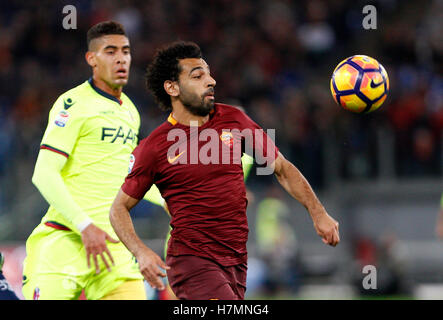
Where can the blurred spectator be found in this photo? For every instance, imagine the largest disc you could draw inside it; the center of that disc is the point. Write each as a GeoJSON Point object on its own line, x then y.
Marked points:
{"type": "Point", "coordinates": [316, 35]}
{"type": "Point", "coordinates": [389, 258]}
{"type": "Point", "coordinates": [424, 156]}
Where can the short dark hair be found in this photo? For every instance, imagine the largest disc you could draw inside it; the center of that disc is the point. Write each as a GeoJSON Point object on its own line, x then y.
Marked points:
{"type": "Point", "coordinates": [165, 66]}
{"type": "Point", "coordinates": [104, 28]}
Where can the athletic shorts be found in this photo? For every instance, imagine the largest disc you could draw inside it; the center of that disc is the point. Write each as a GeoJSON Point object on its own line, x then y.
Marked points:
{"type": "Point", "coordinates": [55, 267]}
{"type": "Point", "coordinates": [196, 278]}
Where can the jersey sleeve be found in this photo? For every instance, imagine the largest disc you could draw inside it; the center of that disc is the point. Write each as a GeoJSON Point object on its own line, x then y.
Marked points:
{"type": "Point", "coordinates": [49, 182]}
{"type": "Point", "coordinates": [64, 125]}
{"type": "Point", "coordinates": [257, 143]}
{"type": "Point", "coordinates": [141, 171]}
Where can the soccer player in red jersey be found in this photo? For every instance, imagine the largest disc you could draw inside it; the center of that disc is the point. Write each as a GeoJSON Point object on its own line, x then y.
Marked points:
{"type": "Point", "coordinates": [194, 159]}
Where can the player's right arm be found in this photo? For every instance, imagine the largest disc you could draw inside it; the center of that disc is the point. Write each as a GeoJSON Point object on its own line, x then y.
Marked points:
{"type": "Point", "coordinates": [48, 180]}
{"type": "Point", "coordinates": [149, 262]}
{"type": "Point", "coordinates": [58, 142]}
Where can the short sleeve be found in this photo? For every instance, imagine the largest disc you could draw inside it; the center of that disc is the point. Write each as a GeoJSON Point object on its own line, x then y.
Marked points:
{"type": "Point", "coordinates": [257, 143]}
{"type": "Point", "coordinates": [64, 124]}
{"type": "Point", "coordinates": [141, 171]}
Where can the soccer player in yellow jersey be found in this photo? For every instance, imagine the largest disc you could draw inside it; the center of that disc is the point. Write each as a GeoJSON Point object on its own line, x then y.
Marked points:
{"type": "Point", "coordinates": [83, 160]}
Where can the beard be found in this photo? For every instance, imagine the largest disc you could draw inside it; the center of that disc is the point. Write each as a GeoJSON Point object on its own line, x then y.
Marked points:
{"type": "Point", "coordinates": [197, 105]}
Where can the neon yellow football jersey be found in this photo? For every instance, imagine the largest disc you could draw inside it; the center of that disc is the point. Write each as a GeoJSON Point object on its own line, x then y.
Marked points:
{"type": "Point", "coordinates": [97, 133]}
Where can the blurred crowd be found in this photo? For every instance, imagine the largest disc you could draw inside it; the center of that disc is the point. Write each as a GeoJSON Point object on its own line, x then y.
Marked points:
{"type": "Point", "coordinates": [274, 58]}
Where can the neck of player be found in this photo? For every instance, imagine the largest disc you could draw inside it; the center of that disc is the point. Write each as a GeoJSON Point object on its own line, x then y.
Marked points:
{"type": "Point", "coordinates": [102, 85]}
{"type": "Point", "coordinates": [184, 117]}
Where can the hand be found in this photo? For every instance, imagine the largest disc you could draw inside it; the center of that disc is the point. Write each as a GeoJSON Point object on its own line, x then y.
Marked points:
{"type": "Point", "coordinates": [149, 263]}
{"type": "Point", "coordinates": [94, 240]}
{"type": "Point", "coordinates": [327, 229]}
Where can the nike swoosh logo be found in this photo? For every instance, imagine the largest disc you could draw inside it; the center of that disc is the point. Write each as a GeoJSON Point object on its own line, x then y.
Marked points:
{"type": "Point", "coordinates": [375, 85]}
{"type": "Point", "coordinates": [172, 160]}
{"type": "Point", "coordinates": [68, 103]}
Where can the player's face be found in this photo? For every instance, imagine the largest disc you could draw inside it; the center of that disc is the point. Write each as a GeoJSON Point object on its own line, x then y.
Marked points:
{"type": "Point", "coordinates": [197, 87]}
{"type": "Point", "coordinates": [113, 59]}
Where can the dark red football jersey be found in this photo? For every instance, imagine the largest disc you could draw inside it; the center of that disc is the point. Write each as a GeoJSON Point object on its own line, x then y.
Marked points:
{"type": "Point", "coordinates": [199, 173]}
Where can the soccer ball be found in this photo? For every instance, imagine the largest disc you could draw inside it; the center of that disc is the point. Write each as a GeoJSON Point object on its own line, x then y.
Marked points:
{"type": "Point", "coordinates": [360, 84]}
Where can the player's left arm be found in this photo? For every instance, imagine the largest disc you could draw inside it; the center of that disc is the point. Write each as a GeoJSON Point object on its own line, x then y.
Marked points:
{"type": "Point", "coordinates": [299, 188]}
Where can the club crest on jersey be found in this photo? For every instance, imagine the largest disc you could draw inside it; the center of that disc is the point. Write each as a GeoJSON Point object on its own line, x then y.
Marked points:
{"type": "Point", "coordinates": [62, 118]}
{"type": "Point", "coordinates": [227, 138]}
{"type": "Point", "coordinates": [131, 163]}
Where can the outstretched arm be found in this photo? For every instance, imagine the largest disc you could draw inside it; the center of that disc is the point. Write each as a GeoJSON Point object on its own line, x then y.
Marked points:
{"type": "Point", "coordinates": [149, 262]}
{"type": "Point", "coordinates": [299, 188]}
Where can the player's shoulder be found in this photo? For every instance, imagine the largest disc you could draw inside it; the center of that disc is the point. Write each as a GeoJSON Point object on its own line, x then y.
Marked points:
{"type": "Point", "coordinates": [125, 98]}
{"type": "Point", "coordinates": [159, 133]}
{"type": "Point", "coordinates": [74, 98]}
{"type": "Point", "coordinates": [223, 108]}
{"type": "Point", "coordinates": [227, 111]}
{"type": "Point", "coordinates": [128, 101]}
{"type": "Point", "coordinates": [154, 139]}
{"type": "Point", "coordinates": [80, 92]}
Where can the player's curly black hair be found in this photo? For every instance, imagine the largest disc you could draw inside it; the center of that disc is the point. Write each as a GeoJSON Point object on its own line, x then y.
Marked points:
{"type": "Point", "coordinates": [165, 66]}
{"type": "Point", "coordinates": [104, 28]}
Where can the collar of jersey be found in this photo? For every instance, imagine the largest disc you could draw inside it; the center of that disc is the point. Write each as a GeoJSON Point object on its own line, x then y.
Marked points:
{"type": "Point", "coordinates": [104, 94]}
{"type": "Point", "coordinates": [174, 122]}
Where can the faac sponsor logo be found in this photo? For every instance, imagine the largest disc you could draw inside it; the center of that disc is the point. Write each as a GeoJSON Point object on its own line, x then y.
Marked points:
{"type": "Point", "coordinates": [118, 134]}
